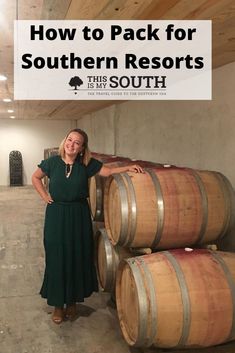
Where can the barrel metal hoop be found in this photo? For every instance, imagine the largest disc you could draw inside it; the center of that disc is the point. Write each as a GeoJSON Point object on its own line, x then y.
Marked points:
{"type": "Point", "coordinates": [142, 301]}
{"type": "Point", "coordinates": [231, 284]}
{"type": "Point", "coordinates": [228, 191]}
{"type": "Point", "coordinates": [99, 211]}
{"type": "Point", "coordinates": [204, 203]}
{"type": "Point", "coordinates": [160, 207]}
{"type": "Point", "coordinates": [109, 257]}
{"type": "Point", "coordinates": [133, 218]}
{"type": "Point", "coordinates": [185, 298]}
{"type": "Point", "coordinates": [124, 208]}
{"type": "Point", "coordinates": [153, 305]}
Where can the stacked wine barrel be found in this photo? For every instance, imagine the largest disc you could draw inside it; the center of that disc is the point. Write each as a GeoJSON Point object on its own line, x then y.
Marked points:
{"type": "Point", "coordinates": [180, 295]}
{"type": "Point", "coordinates": [168, 208]}
{"type": "Point", "coordinates": [108, 256]}
{"type": "Point", "coordinates": [177, 299]}
{"type": "Point", "coordinates": [97, 182]}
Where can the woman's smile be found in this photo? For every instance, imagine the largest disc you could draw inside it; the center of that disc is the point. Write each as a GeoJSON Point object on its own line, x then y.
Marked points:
{"type": "Point", "coordinates": [73, 143]}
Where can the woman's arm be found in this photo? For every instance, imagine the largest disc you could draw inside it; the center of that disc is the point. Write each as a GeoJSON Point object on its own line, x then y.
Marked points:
{"type": "Point", "coordinates": [107, 171]}
{"type": "Point", "coordinates": [37, 183]}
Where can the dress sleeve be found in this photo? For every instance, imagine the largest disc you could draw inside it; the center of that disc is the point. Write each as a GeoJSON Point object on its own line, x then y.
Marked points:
{"type": "Point", "coordinates": [93, 167]}
{"type": "Point", "coordinates": [45, 166]}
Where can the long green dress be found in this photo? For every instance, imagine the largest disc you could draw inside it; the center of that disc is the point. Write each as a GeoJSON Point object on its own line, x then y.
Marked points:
{"type": "Point", "coordinates": [70, 274]}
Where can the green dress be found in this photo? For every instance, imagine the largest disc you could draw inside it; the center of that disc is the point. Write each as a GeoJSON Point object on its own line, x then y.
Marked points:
{"type": "Point", "coordinates": [70, 274]}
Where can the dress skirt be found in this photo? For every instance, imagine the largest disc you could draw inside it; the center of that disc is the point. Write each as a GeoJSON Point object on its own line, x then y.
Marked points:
{"type": "Point", "coordinates": [70, 274]}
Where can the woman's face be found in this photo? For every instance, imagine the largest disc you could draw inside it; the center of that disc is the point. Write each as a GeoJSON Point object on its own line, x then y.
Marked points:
{"type": "Point", "coordinates": [73, 144]}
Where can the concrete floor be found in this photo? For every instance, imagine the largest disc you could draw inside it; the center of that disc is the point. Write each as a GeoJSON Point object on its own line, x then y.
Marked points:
{"type": "Point", "coordinates": [25, 318]}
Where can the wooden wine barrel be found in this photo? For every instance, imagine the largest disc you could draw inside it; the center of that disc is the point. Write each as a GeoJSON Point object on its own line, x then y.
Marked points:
{"type": "Point", "coordinates": [177, 299]}
{"type": "Point", "coordinates": [97, 182]}
{"type": "Point", "coordinates": [108, 258]}
{"type": "Point", "coordinates": [102, 156]}
{"type": "Point", "coordinates": [53, 151]}
{"type": "Point", "coordinates": [107, 158]}
{"type": "Point", "coordinates": [167, 208]}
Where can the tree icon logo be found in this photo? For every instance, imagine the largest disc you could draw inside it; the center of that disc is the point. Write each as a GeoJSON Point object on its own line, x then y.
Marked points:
{"type": "Point", "coordinates": [75, 82]}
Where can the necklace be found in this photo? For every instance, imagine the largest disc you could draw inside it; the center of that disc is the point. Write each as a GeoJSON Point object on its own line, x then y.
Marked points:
{"type": "Point", "coordinates": [68, 169]}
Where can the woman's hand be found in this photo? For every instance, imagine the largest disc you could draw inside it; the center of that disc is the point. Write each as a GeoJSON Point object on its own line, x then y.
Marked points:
{"type": "Point", "coordinates": [135, 168]}
{"type": "Point", "coordinates": [37, 183]}
{"type": "Point", "coordinates": [106, 171]}
{"type": "Point", "coordinates": [47, 198]}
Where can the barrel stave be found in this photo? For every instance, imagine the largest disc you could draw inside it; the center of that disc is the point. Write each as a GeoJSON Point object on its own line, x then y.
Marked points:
{"type": "Point", "coordinates": [183, 212]}
{"type": "Point", "coordinates": [217, 211]}
{"type": "Point", "coordinates": [146, 205]}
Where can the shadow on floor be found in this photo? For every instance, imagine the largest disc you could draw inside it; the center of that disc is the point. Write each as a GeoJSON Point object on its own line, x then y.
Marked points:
{"type": "Point", "coordinates": [81, 310]}
{"type": "Point", "coordinates": [84, 310]}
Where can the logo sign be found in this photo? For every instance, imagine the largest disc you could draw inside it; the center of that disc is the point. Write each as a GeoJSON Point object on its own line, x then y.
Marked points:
{"type": "Point", "coordinates": [102, 60]}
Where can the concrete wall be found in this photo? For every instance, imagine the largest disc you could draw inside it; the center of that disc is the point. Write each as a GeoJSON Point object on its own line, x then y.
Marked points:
{"type": "Point", "coordinates": [198, 134]}
{"type": "Point", "coordinates": [30, 138]}
{"type": "Point", "coordinates": [100, 128]}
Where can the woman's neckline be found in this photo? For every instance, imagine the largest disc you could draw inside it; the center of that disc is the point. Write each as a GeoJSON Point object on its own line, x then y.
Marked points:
{"type": "Point", "coordinates": [77, 161]}
{"type": "Point", "coordinates": [70, 163]}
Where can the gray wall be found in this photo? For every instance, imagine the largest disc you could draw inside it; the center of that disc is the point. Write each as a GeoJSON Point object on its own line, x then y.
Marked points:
{"type": "Point", "coordinates": [198, 134]}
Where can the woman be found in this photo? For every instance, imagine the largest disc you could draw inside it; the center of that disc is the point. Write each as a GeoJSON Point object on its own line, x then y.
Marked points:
{"type": "Point", "coordinates": [70, 272]}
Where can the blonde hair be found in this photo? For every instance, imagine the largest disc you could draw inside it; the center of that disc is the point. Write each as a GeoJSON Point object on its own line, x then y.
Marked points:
{"type": "Point", "coordinates": [85, 156]}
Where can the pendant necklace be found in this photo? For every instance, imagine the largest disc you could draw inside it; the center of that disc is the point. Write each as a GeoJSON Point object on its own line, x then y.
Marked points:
{"type": "Point", "coordinates": [68, 169]}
